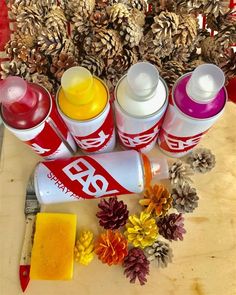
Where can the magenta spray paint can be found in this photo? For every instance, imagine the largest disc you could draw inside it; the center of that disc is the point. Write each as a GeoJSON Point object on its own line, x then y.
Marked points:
{"type": "Point", "coordinates": [141, 99]}
{"type": "Point", "coordinates": [30, 113]}
{"type": "Point", "coordinates": [94, 176]}
{"type": "Point", "coordinates": [198, 100]}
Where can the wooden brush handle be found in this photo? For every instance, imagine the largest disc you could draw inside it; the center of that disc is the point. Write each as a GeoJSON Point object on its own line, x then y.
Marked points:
{"type": "Point", "coordinates": [28, 240]}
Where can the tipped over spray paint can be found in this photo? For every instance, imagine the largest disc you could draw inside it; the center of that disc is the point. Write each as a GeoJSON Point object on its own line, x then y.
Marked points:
{"type": "Point", "coordinates": [83, 102]}
{"type": "Point", "coordinates": [30, 113]}
{"type": "Point", "coordinates": [198, 100]}
{"type": "Point", "coordinates": [141, 99]}
{"type": "Point", "coordinates": [94, 176]}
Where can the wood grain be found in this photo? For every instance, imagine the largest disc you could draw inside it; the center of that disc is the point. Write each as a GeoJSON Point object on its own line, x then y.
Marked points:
{"type": "Point", "coordinates": [204, 263]}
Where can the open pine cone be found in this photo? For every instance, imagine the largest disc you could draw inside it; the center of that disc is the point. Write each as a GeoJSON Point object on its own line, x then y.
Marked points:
{"type": "Point", "coordinates": [159, 252]}
{"type": "Point", "coordinates": [136, 266]}
{"type": "Point", "coordinates": [62, 62]}
{"type": "Point", "coordinates": [165, 25]}
{"type": "Point", "coordinates": [201, 160]}
{"type": "Point", "coordinates": [113, 214]}
{"type": "Point", "coordinates": [179, 173]}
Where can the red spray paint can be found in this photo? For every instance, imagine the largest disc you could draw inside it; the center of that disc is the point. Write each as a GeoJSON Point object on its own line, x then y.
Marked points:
{"type": "Point", "coordinates": [29, 112]}
{"type": "Point", "coordinates": [97, 175]}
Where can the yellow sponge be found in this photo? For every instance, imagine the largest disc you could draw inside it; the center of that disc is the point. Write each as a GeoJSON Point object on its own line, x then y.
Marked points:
{"type": "Point", "coordinates": [53, 249]}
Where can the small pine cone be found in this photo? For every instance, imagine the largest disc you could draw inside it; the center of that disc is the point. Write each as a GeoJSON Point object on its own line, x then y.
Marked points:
{"type": "Point", "coordinates": [131, 33]}
{"type": "Point", "coordinates": [138, 17]}
{"type": "Point", "coordinates": [164, 47]}
{"type": "Point", "coordinates": [37, 62]}
{"type": "Point", "coordinates": [17, 50]}
{"type": "Point", "coordinates": [216, 7]}
{"type": "Point", "coordinates": [180, 54]}
{"type": "Point", "coordinates": [123, 61]}
{"type": "Point", "coordinates": [111, 77]}
{"type": "Point", "coordinates": [104, 43]}
{"type": "Point", "coordinates": [44, 81]}
{"type": "Point", "coordinates": [99, 19]}
{"type": "Point", "coordinates": [13, 68]}
{"type": "Point", "coordinates": [228, 64]}
{"type": "Point", "coordinates": [55, 20]}
{"type": "Point", "coordinates": [185, 198]}
{"type": "Point", "coordinates": [81, 7]}
{"type": "Point", "coordinates": [211, 51]}
{"type": "Point", "coordinates": [25, 39]}
{"type": "Point", "coordinates": [94, 64]}
{"type": "Point", "coordinates": [136, 266]}
{"type": "Point", "coordinates": [157, 199]}
{"type": "Point", "coordinates": [159, 252]}
{"type": "Point", "coordinates": [179, 173]}
{"type": "Point", "coordinates": [111, 247]}
{"type": "Point", "coordinates": [29, 21]}
{"type": "Point", "coordinates": [171, 71]}
{"type": "Point", "coordinates": [171, 227]}
{"type": "Point", "coordinates": [201, 160]}
{"type": "Point", "coordinates": [113, 214]}
{"type": "Point", "coordinates": [140, 5]}
{"type": "Point", "coordinates": [165, 25]}
{"type": "Point", "coordinates": [82, 28]}
{"type": "Point", "coordinates": [187, 30]}
{"type": "Point", "coordinates": [84, 248]}
{"type": "Point", "coordinates": [118, 14]}
{"type": "Point", "coordinates": [141, 231]}
{"type": "Point", "coordinates": [62, 62]}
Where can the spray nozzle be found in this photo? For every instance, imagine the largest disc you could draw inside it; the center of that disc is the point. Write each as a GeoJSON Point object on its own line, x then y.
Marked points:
{"type": "Point", "coordinates": [142, 79]}
{"type": "Point", "coordinates": [159, 168]}
{"type": "Point", "coordinates": [205, 82]}
{"type": "Point", "coordinates": [77, 85]}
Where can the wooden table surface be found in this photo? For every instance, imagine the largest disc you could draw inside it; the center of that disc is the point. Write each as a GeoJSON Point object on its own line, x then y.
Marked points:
{"type": "Point", "coordinates": [204, 262]}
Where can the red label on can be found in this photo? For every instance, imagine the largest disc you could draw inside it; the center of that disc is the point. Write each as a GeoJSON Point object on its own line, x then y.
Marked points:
{"type": "Point", "coordinates": [99, 138]}
{"type": "Point", "coordinates": [48, 140]}
{"type": "Point", "coordinates": [176, 144]}
{"type": "Point", "coordinates": [140, 140]}
{"type": "Point", "coordinates": [85, 177]}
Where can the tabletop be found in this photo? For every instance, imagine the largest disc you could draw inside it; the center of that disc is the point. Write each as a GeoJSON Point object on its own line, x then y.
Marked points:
{"type": "Point", "coordinates": [204, 263]}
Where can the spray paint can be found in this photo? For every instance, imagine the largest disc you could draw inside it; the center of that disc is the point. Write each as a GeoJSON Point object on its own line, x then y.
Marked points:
{"type": "Point", "coordinates": [83, 102]}
{"type": "Point", "coordinates": [30, 113]}
{"type": "Point", "coordinates": [198, 100]}
{"type": "Point", "coordinates": [141, 99]}
{"type": "Point", "coordinates": [94, 176]}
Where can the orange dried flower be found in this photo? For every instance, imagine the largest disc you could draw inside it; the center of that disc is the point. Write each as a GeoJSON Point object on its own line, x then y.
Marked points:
{"type": "Point", "coordinates": [157, 199]}
{"type": "Point", "coordinates": [111, 247]}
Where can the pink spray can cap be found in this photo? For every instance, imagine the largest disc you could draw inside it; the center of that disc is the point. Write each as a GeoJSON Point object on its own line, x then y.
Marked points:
{"type": "Point", "coordinates": [15, 90]}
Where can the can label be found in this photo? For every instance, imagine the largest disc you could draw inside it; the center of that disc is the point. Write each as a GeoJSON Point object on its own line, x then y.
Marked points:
{"type": "Point", "coordinates": [141, 140]}
{"type": "Point", "coordinates": [98, 139]}
{"type": "Point", "coordinates": [50, 139]}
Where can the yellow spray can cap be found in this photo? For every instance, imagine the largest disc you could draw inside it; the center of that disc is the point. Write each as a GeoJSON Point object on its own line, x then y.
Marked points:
{"type": "Point", "coordinates": [78, 85]}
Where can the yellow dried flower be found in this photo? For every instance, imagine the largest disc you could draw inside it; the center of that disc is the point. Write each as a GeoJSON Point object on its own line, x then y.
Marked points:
{"type": "Point", "coordinates": [157, 199]}
{"type": "Point", "coordinates": [84, 248]}
{"type": "Point", "coordinates": [141, 231]}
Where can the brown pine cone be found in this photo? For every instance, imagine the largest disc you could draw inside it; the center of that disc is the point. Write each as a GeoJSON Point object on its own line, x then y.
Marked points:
{"type": "Point", "coordinates": [131, 33]}
{"type": "Point", "coordinates": [221, 21]}
{"type": "Point", "coordinates": [138, 17]}
{"type": "Point", "coordinates": [24, 39]}
{"type": "Point", "coordinates": [153, 59]}
{"type": "Point", "coordinates": [81, 7]}
{"type": "Point", "coordinates": [94, 64]}
{"type": "Point", "coordinates": [111, 77]}
{"type": "Point", "coordinates": [104, 43]}
{"type": "Point", "coordinates": [14, 68]}
{"type": "Point", "coordinates": [141, 5]}
{"type": "Point", "coordinates": [227, 35]}
{"type": "Point", "coordinates": [37, 62]}
{"type": "Point", "coordinates": [55, 20]}
{"type": "Point", "coordinates": [191, 66]}
{"type": "Point", "coordinates": [171, 71]}
{"type": "Point", "coordinates": [216, 7]}
{"type": "Point", "coordinates": [29, 21]}
{"type": "Point", "coordinates": [165, 25]}
{"type": "Point", "coordinates": [180, 54]}
{"type": "Point", "coordinates": [179, 173]}
{"type": "Point", "coordinates": [160, 252]}
{"type": "Point", "coordinates": [201, 160]}
{"type": "Point", "coordinates": [44, 81]}
{"type": "Point", "coordinates": [118, 13]}
{"type": "Point", "coordinates": [228, 64]}
{"type": "Point", "coordinates": [189, 6]}
{"type": "Point", "coordinates": [16, 50]}
{"type": "Point", "coordinates": [82, 28]}
{"type": "Point", "coordinates": [136, 266]}
{"type": "Point", "coordinates": [99, 19]}
{"type": "Point", "coordinates": [124, 60]}
{"type": "Point", "coordinates": [211, 50]}
{"type": "Point", "coordinates": [185, 198]}
{"type": "Point", "coordinates": [113, 214]}
{"type": "Point", "coordinates": [62, 62]}
{"type": "Point", "coordinates": [171, 227]}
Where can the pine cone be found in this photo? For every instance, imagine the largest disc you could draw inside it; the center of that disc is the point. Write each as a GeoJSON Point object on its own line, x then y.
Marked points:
{"type": "Point", "coordinates": [156, 199]}
{"type": "Point", "coordinates": [37, 62]}
{"type": "Point", "coordinates": [113, 214]}
{"type": "Point", "coordinates": [160, 252]}
{"type": "Point", "coordinates": [104, 43]}
{"type": "Point", "coordinates": [216, 7]}
{"type": "Point", "coordinates": [17, 50]}
{"type": "Point", "coordinates": [99, 19]}
{"type": "Point", "coordinates": [140, 5]}
{"type": "Point", "coordinates": [29, 21]}
{"type": "Point", "coordinates": [228, 64]}
{"type": "Point", "coordinates": [187, 30]}
{"type": "Point", "coordinates": [111, 247]}
{"type": "Point", "coordinates": [131, 33]}
{"type": "Point", "coordinates": [138, 17]}
{"type": "Point", "coordinates": [55, 20]}
{"type": "Point", "coordinates": [189, 6]}
{"type": "Point", "coordinates": [153, 59]}
{"type": "Point", "coordinates": [94, 64]}
{"type": "Point", "coordinates": [141, 231]}
{"type": "Point", "coordinates": [165, 25]}
{"type": "Point", "coordinates": [123, 61]}
{"type": "Point", "coordinates": [191, 66]}
{"type": "Point", "coordinates": [211, 50]}
{"type": "Point", "coordinates": [179, 173]}
{"type": "Point", "coordinates": [136, 266]}
{"type": "Point", "coordinates": [111, 77]}
{"type": "Point", "coordinates": [44, 81]}
{"type": "Point", "coordinates": [14, 68]}
{"type": "Point", "coordinates": [118, 14]}
{"type": "Point", "coordinates": [185, 198]}
{"type": "Point", "coordinates": [62, 62]}
{"type": "Point", "coordinates": [180, 54]}
{"type": "Point", "coordinates": [82, 28]}
{"type": "Point", "coordinates": [84, 248]}
{"type": "Point", "coordinates": [24, 39]}
{"type": "Point", "coordinates": [201, 160]}
{"type": "Point", "coordinates": [171, 71]}
{"type": "Point", "coordinates": [171, 227]}
{"type": "Point", "coordinates": [81, 7]}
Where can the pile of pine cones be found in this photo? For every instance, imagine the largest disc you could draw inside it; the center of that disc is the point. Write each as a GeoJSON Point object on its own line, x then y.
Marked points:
{"type": "Point", "coordinates": [108, 36]}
